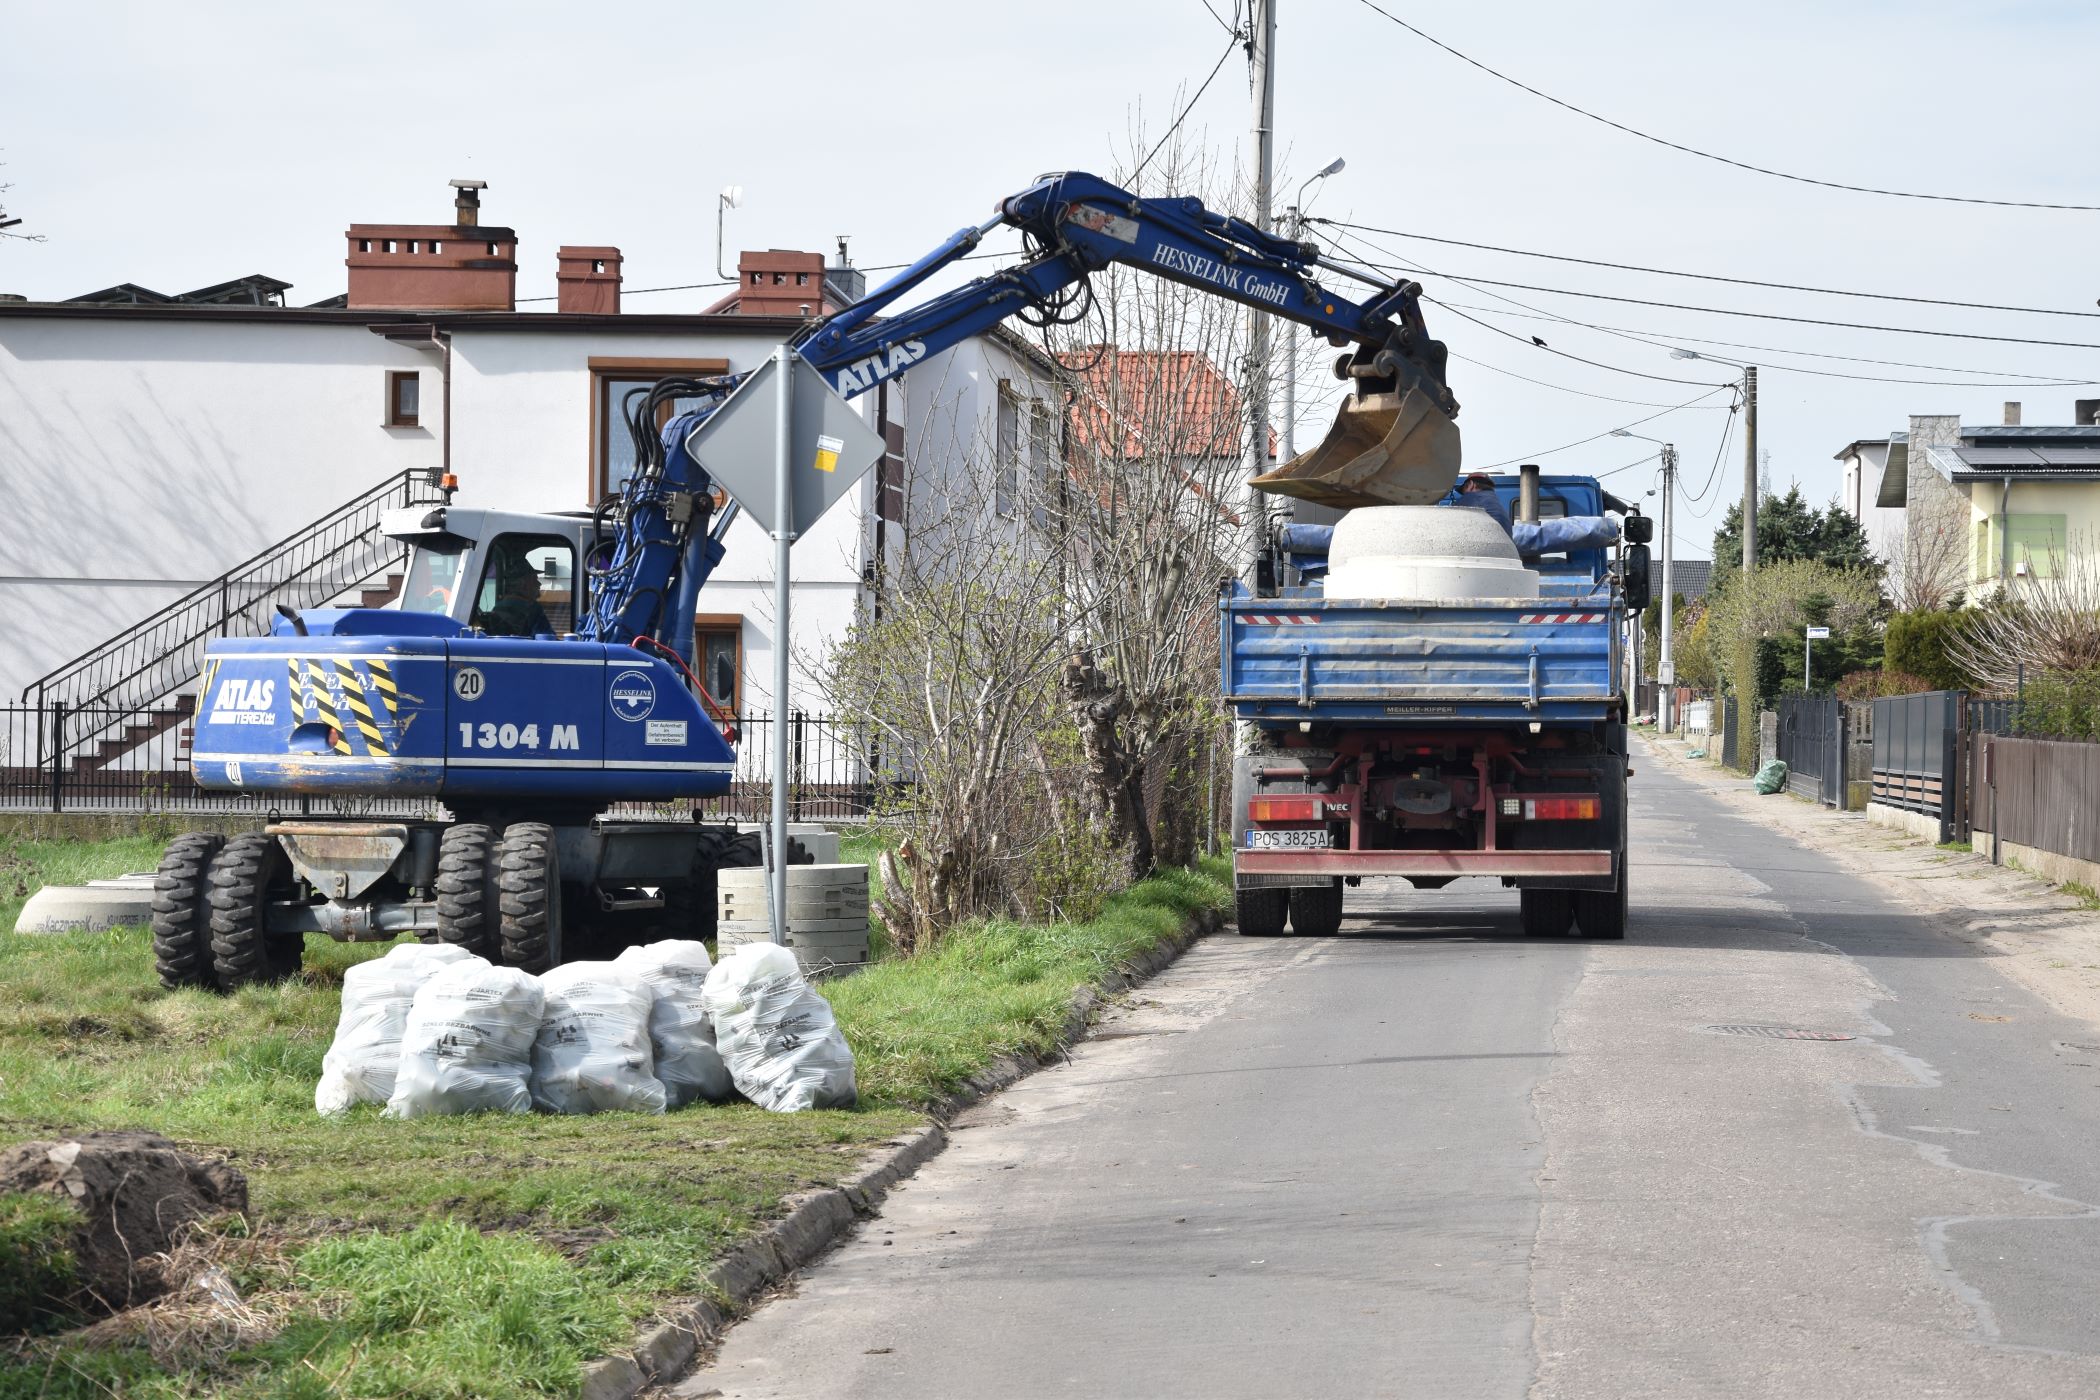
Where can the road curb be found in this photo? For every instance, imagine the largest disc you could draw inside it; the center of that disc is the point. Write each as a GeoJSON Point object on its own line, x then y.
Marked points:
{"type": "Point", "coordinates": [817, 1220]}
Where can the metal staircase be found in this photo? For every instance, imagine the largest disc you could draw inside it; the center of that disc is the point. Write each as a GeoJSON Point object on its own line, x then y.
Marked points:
{"type": "Point", "coordinates": [107, 702]}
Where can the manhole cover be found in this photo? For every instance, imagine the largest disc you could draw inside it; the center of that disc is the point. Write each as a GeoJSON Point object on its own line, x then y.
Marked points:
{"type": "Point", "coordinates": [1779, 1032]}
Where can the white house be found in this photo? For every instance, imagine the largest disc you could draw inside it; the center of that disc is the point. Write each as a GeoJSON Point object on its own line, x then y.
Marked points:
{"type": "Point", "coordinates": [148, 443]}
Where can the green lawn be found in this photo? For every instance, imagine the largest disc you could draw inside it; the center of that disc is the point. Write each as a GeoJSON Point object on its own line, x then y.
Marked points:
{"type": "Point", "coordinates": [487, 1256]}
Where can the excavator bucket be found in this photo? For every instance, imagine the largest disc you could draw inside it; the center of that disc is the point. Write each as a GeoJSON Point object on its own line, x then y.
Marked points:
{"type": "Point", "coordinates": [1384, 450]}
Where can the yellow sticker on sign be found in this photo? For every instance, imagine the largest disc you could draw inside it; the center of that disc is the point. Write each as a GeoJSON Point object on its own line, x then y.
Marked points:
{"type": "Point", "coordinates": [828, 450]}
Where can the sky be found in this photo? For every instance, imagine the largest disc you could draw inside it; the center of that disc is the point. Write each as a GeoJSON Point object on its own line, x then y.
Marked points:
{"type": "Point", "coordinates": [178, 146]}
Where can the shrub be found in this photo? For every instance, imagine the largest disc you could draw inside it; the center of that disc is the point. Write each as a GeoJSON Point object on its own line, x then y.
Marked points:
{"type": "Point", "coordinates": [1873, 685]}
{"type": "Point", "coordinates": [1917, 645]}
{"type": "Point", "coordinates": [2061, 705]}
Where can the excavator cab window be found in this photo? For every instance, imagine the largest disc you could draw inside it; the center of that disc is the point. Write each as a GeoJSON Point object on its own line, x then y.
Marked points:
{"type": "Point", "coordinates": [528, 587]}
{"type": "Point", "coordinates": [433, 576]}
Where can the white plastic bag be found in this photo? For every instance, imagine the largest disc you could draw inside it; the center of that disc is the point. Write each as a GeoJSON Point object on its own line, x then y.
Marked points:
{"type": "Point", "coordinates": [783, 1047]}
{"type": "Point", "coordinates": [361, 1063]}
{"type": "Point", "coordinates": [681, 1033]}
{"type": "Point", "coordinates": [592, 1053]}
{"type": "Point", "coordinates": [468, 1044]}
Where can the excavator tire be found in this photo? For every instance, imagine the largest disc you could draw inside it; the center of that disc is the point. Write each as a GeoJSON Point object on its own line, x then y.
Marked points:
{"type": "Point", "coordinates": [528, 879]}
{"type": "Point", "coordinates": [467, 898]}
{"type": "Point", "coordinates": [248, 869]}
{"type": "Point", "coordinates": [1260, 913]}
{"type": "Point", "coordinates": [181, 917]}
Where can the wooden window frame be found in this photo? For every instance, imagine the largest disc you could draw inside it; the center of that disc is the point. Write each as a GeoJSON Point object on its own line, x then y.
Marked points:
{"type": "Point", "coordinates": [605, 416]}
{"type": "Point", "coordinates": [732, 623]}
{"type": "Point", "coordinates": [393, 417]}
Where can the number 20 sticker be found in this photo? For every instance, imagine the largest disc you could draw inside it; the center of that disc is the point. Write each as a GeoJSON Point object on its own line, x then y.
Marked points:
{"type": "Point", "coordinates": [468, 683]}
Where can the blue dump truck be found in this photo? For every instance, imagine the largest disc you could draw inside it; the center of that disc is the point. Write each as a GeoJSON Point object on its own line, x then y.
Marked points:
{"type": "Point", "coordinates": [1423, 699]}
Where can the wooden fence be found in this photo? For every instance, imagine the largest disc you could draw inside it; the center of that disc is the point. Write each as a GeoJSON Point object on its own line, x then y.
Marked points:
{"type": "Point", "coordinates": [2041, 793]}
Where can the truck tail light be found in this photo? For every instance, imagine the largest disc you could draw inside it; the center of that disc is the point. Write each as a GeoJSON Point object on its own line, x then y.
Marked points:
{"type": "Point", "coordinates": [1284, 809]}
{"type": "Point", "coordinates": [1564, 809]}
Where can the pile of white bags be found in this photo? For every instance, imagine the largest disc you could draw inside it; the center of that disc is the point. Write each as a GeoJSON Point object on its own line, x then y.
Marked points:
{"type": "Point", "coordinates": [681, 1033]}
{"type": "Point", "coordinates": [361, 1064]}
{"type": "Point", "coordinates": [467, 1047]}
{"type": "Point", "coordinates": [778, 1037]}
{"type": "Point", "coordinates": [592, 1053]}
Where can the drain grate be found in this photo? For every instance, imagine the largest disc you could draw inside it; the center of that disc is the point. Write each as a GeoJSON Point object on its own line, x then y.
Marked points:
{"type": "Point", "coordinates": [1779, 1032]}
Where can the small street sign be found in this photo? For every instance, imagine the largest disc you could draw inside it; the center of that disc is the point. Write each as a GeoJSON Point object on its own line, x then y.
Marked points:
{"type": "Point", "coordinates": [1817, 634]}
{"type": "Point", "coordinates": [829, 447]}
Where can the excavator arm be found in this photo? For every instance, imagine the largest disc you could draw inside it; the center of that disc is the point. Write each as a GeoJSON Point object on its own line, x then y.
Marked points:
{"type": "Point", "coordinates": [1393, 441]}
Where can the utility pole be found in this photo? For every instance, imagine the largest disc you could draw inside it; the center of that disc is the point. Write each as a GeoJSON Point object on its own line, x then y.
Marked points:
{"type": "Point", "coordinates": [1666, 661]}
{"type": "Point", "coordinates": [1749, 468]}
{"type": "Point", "coordinates": [1261, 74]}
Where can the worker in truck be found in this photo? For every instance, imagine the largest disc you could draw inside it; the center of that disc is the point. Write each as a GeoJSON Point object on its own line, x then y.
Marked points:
{"type": "Point", "coordinates": [1533, 538]}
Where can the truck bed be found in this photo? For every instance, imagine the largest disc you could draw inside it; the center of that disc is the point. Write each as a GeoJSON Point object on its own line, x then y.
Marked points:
{"type": "Point", "coordinates": [1302, 656]}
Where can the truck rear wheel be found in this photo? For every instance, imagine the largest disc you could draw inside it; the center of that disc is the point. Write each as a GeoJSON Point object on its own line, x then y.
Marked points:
{"type": "Point", "coordinates": [467, 898]}
{"type": "Point", "coordinates": [1260, 913]}
{"type": "Point", "coordinates": [1602, 913]}
{"type": "Point", "coordinates": [528, 879]}
{"type": "Point", "coordinates": [1316, 911]}
{"type": "Point", "coordinates": [1546, 913]}
{"type": "Point", "coordinates": [181, 916]}
{"type": "Point", "coordinates": [250, 870]}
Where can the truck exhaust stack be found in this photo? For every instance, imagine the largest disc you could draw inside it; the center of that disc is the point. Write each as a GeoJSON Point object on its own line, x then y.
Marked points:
{"type": "Point", "coordinates": [1385, 449]}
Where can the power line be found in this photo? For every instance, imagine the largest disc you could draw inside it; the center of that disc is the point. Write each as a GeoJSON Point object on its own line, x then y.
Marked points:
{"type": "Point", "coordinates": [1709, 155]}
{"type": "Point", "coordinates": [1188, 107]}
{"type": "Point", "coordinates": [2043, 381]}
{"type": "Point", "coordinates": [1727, 434]}
{"type": "Point", "coordinates": [1708, 276]}
{"type": "Point", "coordinates": [1547, 384]}
{"type": "Point", "coordinates": [1548, 452]}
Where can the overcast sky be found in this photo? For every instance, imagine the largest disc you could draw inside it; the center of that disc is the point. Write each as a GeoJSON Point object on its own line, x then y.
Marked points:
{"type": "Point", "coordinates": [181, 145]}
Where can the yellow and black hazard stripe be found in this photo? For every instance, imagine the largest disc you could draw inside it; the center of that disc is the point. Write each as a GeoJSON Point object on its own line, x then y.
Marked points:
{"type": "Point", "coordinates": [205, 677]}
{"type": "Point", "coordinates": [360, 710]}
{"type": "Point", "coordinates": [383, 682]}
{"type": "Point", "coordinates": [322, 702]}
{"type": "Point", "coordinates": [297, 692]}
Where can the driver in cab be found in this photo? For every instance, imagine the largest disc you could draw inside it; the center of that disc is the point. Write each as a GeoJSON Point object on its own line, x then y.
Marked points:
{"type": "Point", "coordinates": [517, 612]}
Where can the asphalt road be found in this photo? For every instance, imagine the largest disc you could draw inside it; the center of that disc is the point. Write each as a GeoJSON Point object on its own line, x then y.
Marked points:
{"type": "Point", "coordinates": [1432, 1158]}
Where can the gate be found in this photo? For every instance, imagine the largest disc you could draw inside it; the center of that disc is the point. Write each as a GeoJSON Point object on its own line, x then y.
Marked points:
{"type": "Point", "coordinates": [1812, 745]}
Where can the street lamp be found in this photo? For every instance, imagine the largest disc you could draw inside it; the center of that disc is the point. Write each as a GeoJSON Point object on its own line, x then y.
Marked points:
{"type": "Point", "coordinates": [1295, 221]}
{"type": "Point", "coordinates": [1666, 660]}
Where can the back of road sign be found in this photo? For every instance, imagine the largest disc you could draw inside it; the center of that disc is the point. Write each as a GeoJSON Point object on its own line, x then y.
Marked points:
{"type": "Point", "coordinates": [829, 447]}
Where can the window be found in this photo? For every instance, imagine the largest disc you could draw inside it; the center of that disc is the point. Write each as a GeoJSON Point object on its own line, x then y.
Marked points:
{"type": "Point", "coordinates": [433, 575]}
{"type": "Point", "coordinates": [612, 381]}
{"type": "Point", "coordinates": [436, 246]}
{"type": "Point", "coordinates": [1006, 451]}
{"type": "Point", "coordinates": [1045, 468]}
{"type": "Point", "coordinates": [528, 587]}
{"type": "Point", "coordinates": [404, 398]}
{"type": "Point", "coordinates": [718, 648]}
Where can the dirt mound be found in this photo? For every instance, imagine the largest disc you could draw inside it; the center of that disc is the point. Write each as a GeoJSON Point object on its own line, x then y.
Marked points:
{"type": "Point", "coordinates": [135, 1191]}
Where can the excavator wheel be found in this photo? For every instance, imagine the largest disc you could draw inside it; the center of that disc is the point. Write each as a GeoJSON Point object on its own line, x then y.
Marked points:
{"type": "Point", "coordinates": [528, 878]}
{"type": "Point", "coordinates": [466, 890]}
{"type": "Point", "coordinates": [181, 917]}
{"type": "Point", "coordinates": [247, 872]}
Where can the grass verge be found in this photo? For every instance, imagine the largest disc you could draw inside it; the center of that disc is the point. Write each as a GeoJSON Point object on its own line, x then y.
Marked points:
{"type": "Point", "coordinates": [520, 1247]}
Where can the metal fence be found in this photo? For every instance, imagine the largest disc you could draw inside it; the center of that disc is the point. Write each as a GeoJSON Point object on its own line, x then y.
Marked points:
{"type": "Point", "coordinates": [1913, 750]}
{"type": "Point", "coordinates": [2041, 793]}
{"type": "Point", "coordinates": [1812, 745]}
{"type": "Point", "coordinates": [46, 765]}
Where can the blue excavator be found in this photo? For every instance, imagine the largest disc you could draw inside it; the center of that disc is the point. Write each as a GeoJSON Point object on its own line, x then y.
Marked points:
{"type": "Point", "coordinates": [530, 728]}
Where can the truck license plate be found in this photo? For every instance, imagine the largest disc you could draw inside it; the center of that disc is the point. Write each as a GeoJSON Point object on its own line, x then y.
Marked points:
{"type": "Point", "coordinates": [1289, 840]}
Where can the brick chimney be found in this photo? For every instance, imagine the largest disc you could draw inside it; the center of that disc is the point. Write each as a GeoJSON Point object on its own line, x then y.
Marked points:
{"type": "Point", "coordinates": [462, 266]}
{"type": "Point", "coordinates": [780, 283]}
{"type": "Point", "coordinates": [589, 279]}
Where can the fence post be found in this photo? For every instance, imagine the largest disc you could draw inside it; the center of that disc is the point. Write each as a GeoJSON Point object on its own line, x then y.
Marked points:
{"type": "Point", "coordinates": [58, 755]}
{"type": "Point", "coordinates": [1950, 782]}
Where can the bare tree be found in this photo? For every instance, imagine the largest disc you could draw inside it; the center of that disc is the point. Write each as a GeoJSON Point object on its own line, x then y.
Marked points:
{"type": "Point", "coordinates": [2048, 622]}
{"type": "Point", "coordinates": [7, 224]}
{"type": "Point", "coordinates": [1928, 565]}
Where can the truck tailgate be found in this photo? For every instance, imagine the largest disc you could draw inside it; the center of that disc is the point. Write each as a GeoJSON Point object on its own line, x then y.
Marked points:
{"type": "Point", "coordinates": [1311, 657]}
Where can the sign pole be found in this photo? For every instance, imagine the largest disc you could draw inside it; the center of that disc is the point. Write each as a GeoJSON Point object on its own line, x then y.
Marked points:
{"type": "Point", "coordinates": [783, 538]}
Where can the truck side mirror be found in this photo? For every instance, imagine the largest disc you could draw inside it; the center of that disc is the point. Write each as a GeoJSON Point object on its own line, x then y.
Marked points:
{"type": "Point", "coordinates": [1637, 589]}
{"type": "Point", "coordinates": [1639, 529]}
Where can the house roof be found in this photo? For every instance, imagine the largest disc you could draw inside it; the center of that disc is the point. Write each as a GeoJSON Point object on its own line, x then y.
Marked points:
{"type": "Point", "coordinates": [1162, 403]}
{"type": "Point", "coordinates": [2041, 461]}
{"type": "Point", "coordinates": [254, 290]}
{"type": "Point", "coordinates": [548, 321]}
{"type": "Point", "coordinates": [1689, 578]}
